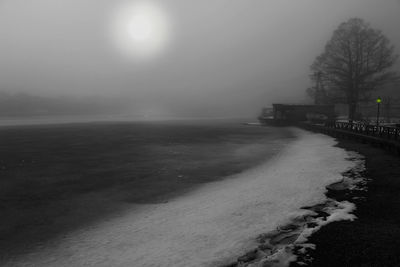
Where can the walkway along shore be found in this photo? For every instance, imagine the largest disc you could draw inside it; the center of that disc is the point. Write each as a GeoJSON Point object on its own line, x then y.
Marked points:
{"type": "Point", "coordinates": [374, 238]}
{"type": "Point", "coordinates": [387, 138]}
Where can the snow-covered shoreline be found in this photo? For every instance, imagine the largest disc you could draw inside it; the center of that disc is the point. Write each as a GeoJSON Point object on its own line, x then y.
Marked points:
{"type": "Point", "coordinates": [290, 240]}
{"type": "Point", "coordinates": [213, 224]}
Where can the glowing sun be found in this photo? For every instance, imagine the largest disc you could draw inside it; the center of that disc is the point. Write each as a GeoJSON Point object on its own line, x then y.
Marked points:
{"type": "Point", "coordinates": [141, 28]}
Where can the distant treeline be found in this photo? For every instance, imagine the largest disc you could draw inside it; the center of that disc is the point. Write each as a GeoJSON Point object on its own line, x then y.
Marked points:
{"type": "Point", "coordinates": [23, 104]}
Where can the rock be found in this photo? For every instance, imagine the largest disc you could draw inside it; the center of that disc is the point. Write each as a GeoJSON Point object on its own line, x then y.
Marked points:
{"type": "Point", "coordinates": [265, 246]}
{"type": "Point", "coordinates": [264, 237]}
{"type": "Point", "coordinates": [285, 239]}
{"type": "Point", "coordinates": [288, 227]}
{"type": "Point", "coordinates": [249, 256]}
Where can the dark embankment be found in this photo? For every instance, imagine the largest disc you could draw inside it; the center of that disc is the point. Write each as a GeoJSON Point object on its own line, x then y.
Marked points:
{"type": "Point", "coordinates": [374, 238]}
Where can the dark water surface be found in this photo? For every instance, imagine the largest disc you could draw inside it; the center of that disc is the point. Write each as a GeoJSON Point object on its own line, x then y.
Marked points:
{"type": "Point", "coordinates": [57, 178]}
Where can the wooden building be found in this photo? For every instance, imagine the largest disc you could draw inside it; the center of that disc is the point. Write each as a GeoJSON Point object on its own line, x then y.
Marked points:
{"type": "Point", "coordinates": [296, 113]}
{"type": "Point", "coordinates": [287, 114]}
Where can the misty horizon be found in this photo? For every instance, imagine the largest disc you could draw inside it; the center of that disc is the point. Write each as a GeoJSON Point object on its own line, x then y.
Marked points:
{"type": "Point", "coordinates": [228, 59]}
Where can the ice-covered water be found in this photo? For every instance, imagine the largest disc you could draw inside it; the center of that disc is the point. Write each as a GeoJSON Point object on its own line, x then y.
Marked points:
{"type": "Point", "coordinates": [211, 225]}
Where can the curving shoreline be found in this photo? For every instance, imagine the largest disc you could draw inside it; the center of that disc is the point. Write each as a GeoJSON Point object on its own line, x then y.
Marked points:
{"type": "Point", "coordinates": [374, 238]}
{"type": "Point", "coordinates": [290, 243]}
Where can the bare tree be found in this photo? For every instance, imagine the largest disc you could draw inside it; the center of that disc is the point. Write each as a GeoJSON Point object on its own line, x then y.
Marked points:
{"type": "Point", "coordinates": [318, 92]}
{"type": "Point", "coordinates": [356, 61]}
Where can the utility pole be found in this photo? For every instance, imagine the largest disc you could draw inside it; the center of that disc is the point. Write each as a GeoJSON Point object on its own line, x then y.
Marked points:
{"type": "Point", "coordinates": [378, 100]}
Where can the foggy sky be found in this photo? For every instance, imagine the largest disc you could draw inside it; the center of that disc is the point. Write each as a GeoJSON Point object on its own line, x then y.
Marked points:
{"type": "Point", "coordinates": [226, 57]}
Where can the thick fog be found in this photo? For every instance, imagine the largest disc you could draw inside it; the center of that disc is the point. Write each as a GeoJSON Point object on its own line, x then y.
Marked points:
{"type": "Point", "coordinates": [224, 58]}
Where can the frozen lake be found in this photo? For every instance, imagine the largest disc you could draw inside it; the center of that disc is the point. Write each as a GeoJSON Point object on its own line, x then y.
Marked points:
{"type": "Point", "coordinates": [207, 226]}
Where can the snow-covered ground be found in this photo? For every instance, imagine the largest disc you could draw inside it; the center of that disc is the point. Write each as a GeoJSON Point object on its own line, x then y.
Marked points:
{"type": "Point", "coordinates": [211, 225]}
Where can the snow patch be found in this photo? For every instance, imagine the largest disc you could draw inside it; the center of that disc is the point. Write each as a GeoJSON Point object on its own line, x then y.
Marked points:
{"type": "Point", "coordinates": [289, 241]}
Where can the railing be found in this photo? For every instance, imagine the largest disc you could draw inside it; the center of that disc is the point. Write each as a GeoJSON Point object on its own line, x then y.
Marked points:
{"type": "Point", "coordinates": [385, 132]}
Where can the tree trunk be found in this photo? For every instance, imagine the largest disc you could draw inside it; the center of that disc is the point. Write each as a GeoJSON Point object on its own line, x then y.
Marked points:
{"type": "Point", "coordinates": [352, 111]}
